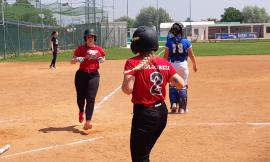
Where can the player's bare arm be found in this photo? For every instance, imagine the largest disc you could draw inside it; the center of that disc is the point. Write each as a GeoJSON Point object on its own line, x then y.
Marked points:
{"type": "Point", "coordinates": [73, 60]}
{"type": "Point", "coordinates": [192, 58]}
{"type": "Point", "coordinates": [127, 85]}
{"type": "Point", "coordinates": [177, 81]}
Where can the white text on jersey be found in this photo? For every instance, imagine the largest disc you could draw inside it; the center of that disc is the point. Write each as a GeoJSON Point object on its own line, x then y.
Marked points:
{"type": "Point", "coordinates": [160, 67]}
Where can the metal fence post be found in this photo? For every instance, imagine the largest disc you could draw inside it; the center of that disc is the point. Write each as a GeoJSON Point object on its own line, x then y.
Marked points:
{"type": "Point", "coordinates": [4, 29]}
{"type": "Point", "coordinates": [18, 24]}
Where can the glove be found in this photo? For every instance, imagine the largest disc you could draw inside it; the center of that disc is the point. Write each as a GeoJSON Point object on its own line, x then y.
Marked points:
{"type": "Point", "coordinates": [79, 59]}
{"type": "Point", "coordinates": [101, 59]}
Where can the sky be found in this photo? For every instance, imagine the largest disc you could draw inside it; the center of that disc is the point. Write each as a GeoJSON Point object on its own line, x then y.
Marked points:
{"type": "Point", "coordinates": [179, 10]}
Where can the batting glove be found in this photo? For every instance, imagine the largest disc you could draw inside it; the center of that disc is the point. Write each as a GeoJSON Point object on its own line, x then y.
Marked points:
{"type": "Point", "coordinates": [101, 59]}
{"type": "Point", "coordinates": [79, 59]}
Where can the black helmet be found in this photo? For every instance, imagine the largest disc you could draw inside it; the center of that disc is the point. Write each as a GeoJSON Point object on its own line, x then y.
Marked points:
{"type": "Point", "coordinates": [89, 32]}
{"type": "Point", "coordinates": [176, 29]}
{"type": "Point", "coordinates": [144, 39]}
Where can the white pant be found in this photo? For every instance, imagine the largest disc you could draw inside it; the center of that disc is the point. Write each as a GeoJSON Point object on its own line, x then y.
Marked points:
{"type": "Point", "coordinates": [182, 69]}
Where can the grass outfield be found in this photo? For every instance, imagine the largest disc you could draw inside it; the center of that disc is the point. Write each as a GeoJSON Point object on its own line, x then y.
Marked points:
{"type": "Point", "coordinates": [231, 48]}
{"type": "Point", "coordinates": [200, 49]}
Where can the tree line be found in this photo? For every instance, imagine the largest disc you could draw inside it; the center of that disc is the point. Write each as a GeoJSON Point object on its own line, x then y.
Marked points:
{"type": "Point", "coordinates": [22, 10]}
{"type": "Point", "coordinates": [149, 16]}
{"type": "Point", "coordinates": [249, 14]}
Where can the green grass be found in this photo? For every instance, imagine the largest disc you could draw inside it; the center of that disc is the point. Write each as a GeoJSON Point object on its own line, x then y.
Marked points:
{"type": "Point", "coordinates": [111, 54]}
{"type": "Point", "coordinates": [200, 49]}
{"type": "Point", "coordinates": [231, 48]}
{"type": "Point", "coordinates": [65, 56]}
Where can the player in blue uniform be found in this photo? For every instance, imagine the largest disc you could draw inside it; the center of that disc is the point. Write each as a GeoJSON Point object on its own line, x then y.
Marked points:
{"type": "Point", "coordinates": [177, 51]}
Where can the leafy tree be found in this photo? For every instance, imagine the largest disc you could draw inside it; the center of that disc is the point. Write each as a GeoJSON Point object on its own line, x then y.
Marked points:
{"type": "Point", "coordinates": [232, 14]}
{"type": "Point", "coordinates": [5, 2]}
{"type": "Point", "coordinates": [254, 14]}
{"type": "Point", "coordinates": [22, 10]}
{"type": "Point", "coordinates": [129, 20]}
{"type": "Point", "coordinates": [163, 16]}
{"type": "Point", "coordinates": [149, 16]}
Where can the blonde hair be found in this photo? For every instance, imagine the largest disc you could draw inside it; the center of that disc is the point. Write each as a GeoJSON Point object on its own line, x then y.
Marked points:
{"type": "Point", "coordinates": [147, 59]}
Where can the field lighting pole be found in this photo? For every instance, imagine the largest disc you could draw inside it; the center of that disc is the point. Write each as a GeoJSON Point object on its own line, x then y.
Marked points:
{"type": "Point", "coordinates": [113, 10]}
{"type": "Point", "coordinates": [4, 32]}
{"type": "Point", "coordinates": [95, 19]}
{"type": "Point", "coordinates": [87, 14]}
{"type": "Point", "coordinates": [60, 13]}
{"type": "Point", "coordinates": [157, 19]}
{"type": "Point", "coordinates": [42, 16]}
{"type": "Point", "coordinates": [127, 8]}
{"type": "Point", "coordinates": [102, 8]}
{"type": "Point", "coordinates": [73, 28]}
{"type": "Point", "coordinates": [190, 18]}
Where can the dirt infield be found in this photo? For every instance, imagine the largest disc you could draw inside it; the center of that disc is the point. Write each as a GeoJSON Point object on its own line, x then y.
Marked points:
{"type": "Point", "coordinates": [229, 118]}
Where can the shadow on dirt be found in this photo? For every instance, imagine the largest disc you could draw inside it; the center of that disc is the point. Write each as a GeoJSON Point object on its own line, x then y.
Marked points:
{"type": "Point", "coordinates": [67, 129]}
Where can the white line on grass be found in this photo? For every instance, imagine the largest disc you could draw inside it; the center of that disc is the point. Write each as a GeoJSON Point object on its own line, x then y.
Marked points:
{"type": "Point", "coordinates": [51, 147]}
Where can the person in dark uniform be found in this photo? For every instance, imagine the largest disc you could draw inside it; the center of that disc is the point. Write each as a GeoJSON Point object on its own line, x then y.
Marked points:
{"type": "Point", "coordinates": [87, 76]}
{"type": "Point", "coordinates": [54, 48]}
{"type": "Point", "coordinates": [145, 77]}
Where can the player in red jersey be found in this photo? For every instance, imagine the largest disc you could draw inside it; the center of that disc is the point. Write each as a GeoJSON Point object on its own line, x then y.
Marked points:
{"type": "Point", "coordinates": [145, 77]}
{"type": "Point", "coordinates": [87, 77]}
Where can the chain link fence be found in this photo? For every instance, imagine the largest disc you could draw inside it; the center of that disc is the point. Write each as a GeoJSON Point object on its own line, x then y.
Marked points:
{"type": "Point", "coordinates": [26, 26]}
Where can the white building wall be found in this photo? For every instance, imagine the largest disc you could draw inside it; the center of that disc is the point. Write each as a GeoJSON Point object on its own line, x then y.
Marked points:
{"type": "Point", "coordinates": [266, 35]}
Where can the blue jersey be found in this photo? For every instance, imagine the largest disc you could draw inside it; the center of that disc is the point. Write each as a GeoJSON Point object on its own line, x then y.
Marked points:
{"type": "Point", "coordinates": [178, 48]}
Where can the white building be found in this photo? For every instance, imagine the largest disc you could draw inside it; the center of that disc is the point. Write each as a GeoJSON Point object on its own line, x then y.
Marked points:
{"type": "Point", "coordinates": [205, 30]}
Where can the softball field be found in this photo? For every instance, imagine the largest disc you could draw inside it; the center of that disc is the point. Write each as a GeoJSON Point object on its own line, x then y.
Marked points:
{"type": "Point", "coordinates": [228, 121]}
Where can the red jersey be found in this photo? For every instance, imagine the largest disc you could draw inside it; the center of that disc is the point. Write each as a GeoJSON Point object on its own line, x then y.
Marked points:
{"type": "Point", "coordinates": [150, 82]}
{"type": "Point", "coordinates": [89, 64]}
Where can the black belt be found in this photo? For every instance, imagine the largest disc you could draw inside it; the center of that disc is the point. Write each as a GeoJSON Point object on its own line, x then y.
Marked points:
{"type": "Point", "coordinates": [88, 70]}
{"type": "Point", "coordinates": [152, 105]}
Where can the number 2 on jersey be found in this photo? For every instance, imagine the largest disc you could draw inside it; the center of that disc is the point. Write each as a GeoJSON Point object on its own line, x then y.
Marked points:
{"type": "Point", "coordinates": [157, 79]}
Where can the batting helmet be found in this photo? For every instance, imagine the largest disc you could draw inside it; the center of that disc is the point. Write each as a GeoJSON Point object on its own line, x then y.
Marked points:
{"type": "Point", "coordinates": [176, 29]}
{"type": "Point", "coordinates": [144, 39]}
{"type": "Point", "coordinates": [89, 32]}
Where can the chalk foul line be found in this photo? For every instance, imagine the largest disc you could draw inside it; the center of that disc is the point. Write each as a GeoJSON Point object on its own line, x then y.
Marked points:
{"type": "Point", "coordinates": [106, 98]}
{"type": "Point", "coordinates": [220, 124]}
{"type": "Point", "coordinates": [51, 147]}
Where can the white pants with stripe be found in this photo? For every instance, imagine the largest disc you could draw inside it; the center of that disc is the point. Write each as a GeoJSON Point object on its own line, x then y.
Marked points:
{"type": "Point", "coordinates": [182, 69]}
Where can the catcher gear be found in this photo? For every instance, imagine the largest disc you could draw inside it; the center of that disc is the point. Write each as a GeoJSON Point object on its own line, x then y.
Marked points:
{"type": "Point", "coordinates": [89, 32]}
{"type": "Point", "coordinates": [144, 39]}
{"type": "Point", "coordinates": [173, 95]}
{"type": "Point", "coordinates": [183, 98]}
{"type": "Point", "coordinates": [176, 29]}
